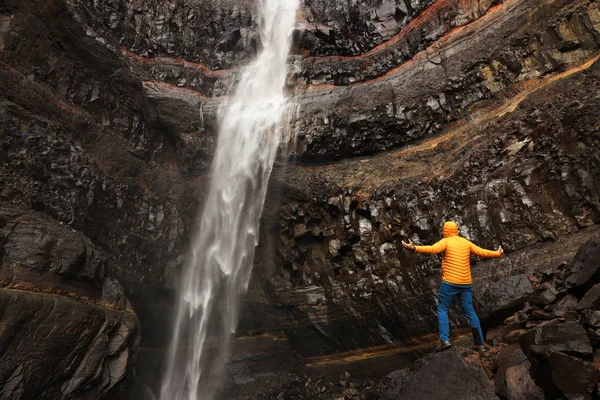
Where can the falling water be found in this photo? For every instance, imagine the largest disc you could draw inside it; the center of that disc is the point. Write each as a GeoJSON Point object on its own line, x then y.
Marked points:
{"type": "Point", "coordinates": [218, 271]}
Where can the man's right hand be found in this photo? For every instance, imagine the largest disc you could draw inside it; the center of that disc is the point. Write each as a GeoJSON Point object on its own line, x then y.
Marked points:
{"type": "Point", "coordinates": [408, 245]}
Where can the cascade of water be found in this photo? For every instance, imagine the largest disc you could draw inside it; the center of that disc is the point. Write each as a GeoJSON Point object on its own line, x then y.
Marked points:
{"type": "Point", "coordinates": [218, 271]}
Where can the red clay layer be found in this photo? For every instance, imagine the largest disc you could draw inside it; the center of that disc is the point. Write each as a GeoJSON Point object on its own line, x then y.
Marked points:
{"type": "Point", "coordinates": [425, 16]}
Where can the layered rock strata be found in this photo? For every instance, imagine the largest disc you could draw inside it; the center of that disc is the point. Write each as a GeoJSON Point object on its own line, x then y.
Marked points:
{"type": "Point", "coordinates": [75, 137]}
{"type": "Point", "coordinates": [410, 113]}
{"type": "Point", "coordinates": [67, 329]}
{"type": "Point", "coordinates": [547, 349]}
{"type": "Point", "coordinates": [517, 178]}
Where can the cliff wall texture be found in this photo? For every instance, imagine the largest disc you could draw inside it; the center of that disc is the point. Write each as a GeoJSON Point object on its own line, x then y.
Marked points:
{"type": "Point", "coordinates": [410, 112]}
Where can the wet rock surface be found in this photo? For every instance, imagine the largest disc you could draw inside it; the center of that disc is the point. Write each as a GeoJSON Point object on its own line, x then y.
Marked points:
{"type": "Point", "coordinates": [340, 226]}
{"type": "Point", "coordinates": [417, 96]}
{"type": "Point", "coordinates": [437, 87]}
{"type": "Point", "coordinates": [551, 359]}
{"type": "Point", "coordinates": [411, 113]}
{"type": "Point", "coordinates": [60, 311]}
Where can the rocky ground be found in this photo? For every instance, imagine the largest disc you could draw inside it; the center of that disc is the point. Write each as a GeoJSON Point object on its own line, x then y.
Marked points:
{"type": "Point", "coordinates": [549, 349]}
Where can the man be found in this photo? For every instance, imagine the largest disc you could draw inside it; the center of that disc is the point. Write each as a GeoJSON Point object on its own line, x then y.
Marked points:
{"type": "Point", "coordinates": [456, 280]}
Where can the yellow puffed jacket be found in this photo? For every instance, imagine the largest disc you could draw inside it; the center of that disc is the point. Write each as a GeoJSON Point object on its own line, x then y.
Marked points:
{"type": "Point", "coordinates": [456, 263]}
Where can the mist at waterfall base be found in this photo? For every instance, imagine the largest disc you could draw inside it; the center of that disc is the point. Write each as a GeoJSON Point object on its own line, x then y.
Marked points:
{"type": "Point", "coordinates": [252, 126]}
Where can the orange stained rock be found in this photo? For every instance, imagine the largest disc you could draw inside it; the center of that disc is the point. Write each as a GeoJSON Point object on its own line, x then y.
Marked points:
{"type": "Point", "coordinates": [178, 61]}
{"type": "Point", "coordinates": [31, 288]}
{"type": "Point", "coordinates": [424, 16]}
{"type": "Point", "coordinates": [416, 23]}
{"type": "Point", "coordinates": [456, 263]}
{"type": "Point", "coordinates": [429, 13]}
{"type": "Point", "coordinates": [421, 343]}
{"type": "Point", "coordinates": [460, 134]}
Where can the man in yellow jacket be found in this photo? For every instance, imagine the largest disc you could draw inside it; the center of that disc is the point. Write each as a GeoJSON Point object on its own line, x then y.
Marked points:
{"type": "Point", "coordinates": [456, 280]}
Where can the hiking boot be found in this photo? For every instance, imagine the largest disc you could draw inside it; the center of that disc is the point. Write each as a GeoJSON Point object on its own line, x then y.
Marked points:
{"type": "Point", "coordinates": [479, 348]}
{"type": "Point", "coordinates": [443, 345]}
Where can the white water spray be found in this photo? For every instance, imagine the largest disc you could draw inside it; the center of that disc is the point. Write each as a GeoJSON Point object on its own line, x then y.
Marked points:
{"type": "Point", "coordinates": [218, 271]}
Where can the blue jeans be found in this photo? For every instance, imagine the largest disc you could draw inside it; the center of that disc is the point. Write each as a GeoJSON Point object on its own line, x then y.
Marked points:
{"type": "Point", "coordinates": [447, 294]}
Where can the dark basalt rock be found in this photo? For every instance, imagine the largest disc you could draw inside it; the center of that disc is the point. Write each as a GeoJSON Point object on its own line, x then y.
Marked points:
{"type": "Point", "coordinates": [512, 380]}
{"type": "Point", "coordinates": [520, 385]}
{"type": "Point", "coordinates": [31, 244]}
{"type": "Point", "coordinates": [555, 350]}
{"type": "Point", "coordinates": [592, 317]}
{"type": "Point", "coordinates": [55, 347]}
{"type": "Point", "coordinates": [391, 387]}
{"type": "Point", "coordinates": [447, 375]}
{"type": "Point", "coordinates": [60, 311]}
{"type": "Point", "coordinates": [106, 131]}
{"type": "Point", "coordinates": [436, 88]}
{"type": "Point", "coordinates": [568, 337]}
{"type": "Point", "coordinates": [586, 268]}
{"type": "Point", "coordinates": [339, 28]}
{"type": "Point", "coordinates": [353, 214]}
{"type": "Point", "coordinates": [508, 357]}
{"type": "Point", "coordinates": [438, 19]}
{"type": "Point", "coordinates": [218, 33]}
{"type": "Point", "coordinates": [591, 299]}
{"type": "Point", "coordinates": [564, 376]}
{"type": "Point", "coordinates": [502, 298]}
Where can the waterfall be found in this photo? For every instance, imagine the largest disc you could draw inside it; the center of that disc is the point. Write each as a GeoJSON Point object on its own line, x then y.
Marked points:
{"type": "Point", "coordinates": [217, 273]}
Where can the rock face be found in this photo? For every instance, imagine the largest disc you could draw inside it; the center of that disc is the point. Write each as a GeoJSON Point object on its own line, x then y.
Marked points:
{"type": "Point", "coordinates": [409, 113]}
{"type": "Point", "coordinates": [220, 34]}
{"type": "Point", "coordinates": [504, 296]}
{"type": "Point", "coordinates": [60, 311]}
{"type": "Point", "coordinates": [447, 376]}
{"type": "Point", "coordinates": [365, 208]}
{"type": "Point", "coordinates": [551, 358]}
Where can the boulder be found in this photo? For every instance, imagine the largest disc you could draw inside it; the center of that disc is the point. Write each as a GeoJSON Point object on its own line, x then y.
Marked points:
{"type": "Point", "coordinates": [592, 317]}
{"type": "Point", "coordinates": [585, 271]}
{"type": "Point", "coordinates": [504, 297]}
{"type": "Point", "coordinates": [591, 299]}
{"type": "Point", "coordinates": [594, 335]}
{"type": "Point", "coordinates": [554, 349]}
{"type": "Point", "coordinates": [32, 243]}
{"type": "Point", "coordinates": [508, 357]}
{"type": "Point", "coordinates": [554, 336]}
{"type": "Point", "coordinates": [391, 387]}
{"type": "Point", "coordinates": [513, 380]}
{"type": "Point", "coordinates": [575, 378]}
{"type": "Point", "coordinates": [566, 304]}
{"type": "Point", "coordinates": [519, 385]}
{"type": "Point", "coordinates": [546, 295]}
{"type": "Point", "coordinates": [447, 375]}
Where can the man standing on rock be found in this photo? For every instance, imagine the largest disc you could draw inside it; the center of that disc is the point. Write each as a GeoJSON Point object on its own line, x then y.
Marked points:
{"type": "Point", "coordinates": [456, 280]}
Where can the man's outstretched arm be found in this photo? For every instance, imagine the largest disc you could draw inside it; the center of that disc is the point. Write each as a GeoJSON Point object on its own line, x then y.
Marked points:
{"type": "Point", "coordinates": [483, 253]}
{"type": "Point", "coordinates": [435, 249]}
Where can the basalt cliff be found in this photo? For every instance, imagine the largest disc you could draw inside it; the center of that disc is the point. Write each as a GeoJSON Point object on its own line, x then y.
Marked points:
{"type": "Point", "coordinates": [409, 113]}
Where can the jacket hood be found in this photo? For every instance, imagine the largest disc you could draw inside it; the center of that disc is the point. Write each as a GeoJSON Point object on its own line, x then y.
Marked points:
{"type": "Point", "coordinates": [450, 229]}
